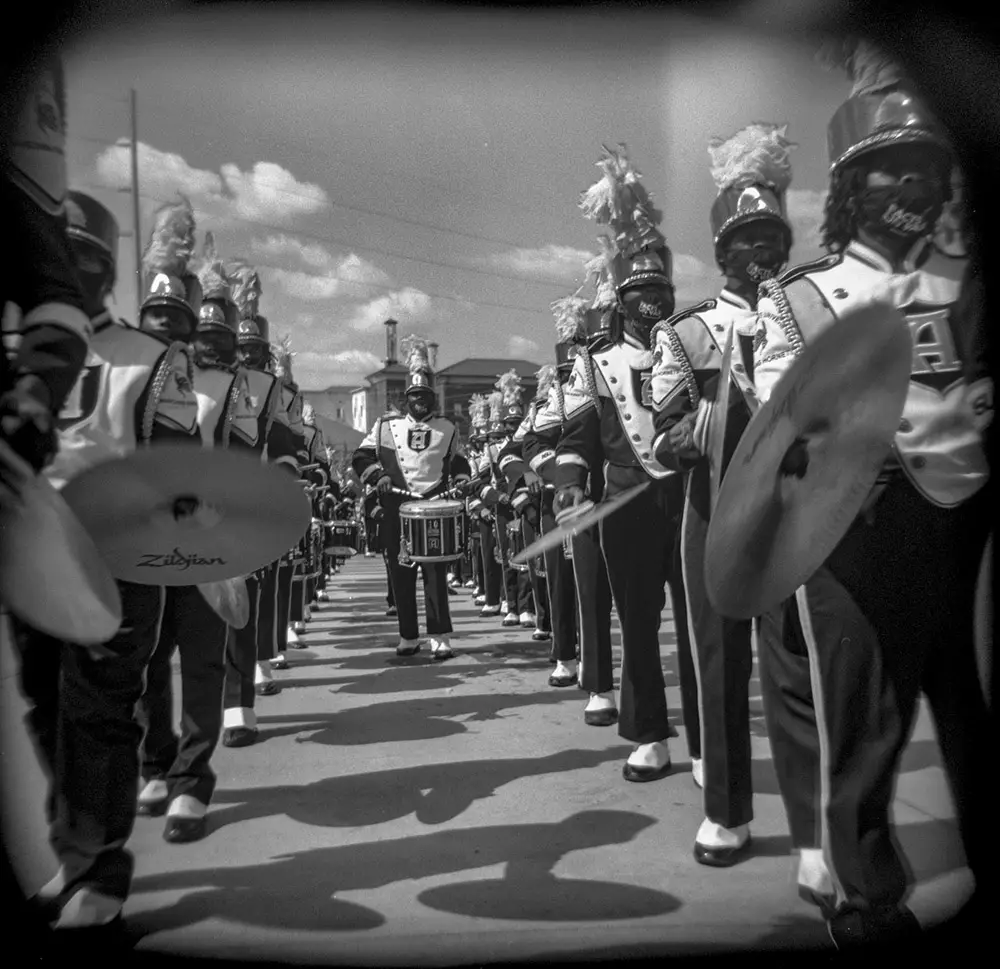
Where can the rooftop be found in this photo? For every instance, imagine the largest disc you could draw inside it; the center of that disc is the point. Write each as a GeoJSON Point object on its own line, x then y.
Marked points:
{"type": "Point", "coordinates": [489, 367]}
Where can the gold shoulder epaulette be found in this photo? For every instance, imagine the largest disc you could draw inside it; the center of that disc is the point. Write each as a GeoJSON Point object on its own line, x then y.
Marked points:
{"type": "Point", "coordinates": [814, 266]}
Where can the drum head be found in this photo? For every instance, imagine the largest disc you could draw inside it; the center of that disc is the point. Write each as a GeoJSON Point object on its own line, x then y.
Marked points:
{"type": "Point", "coordinates": [430, 509]}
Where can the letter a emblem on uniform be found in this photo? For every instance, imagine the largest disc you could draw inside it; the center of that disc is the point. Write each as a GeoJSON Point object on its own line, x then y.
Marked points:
{"type": "Point", "coordinates": [418, 439]}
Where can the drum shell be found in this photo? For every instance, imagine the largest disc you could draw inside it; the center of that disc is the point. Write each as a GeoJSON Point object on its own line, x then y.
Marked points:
{"type": "Point", "coordinates": [342, 538]}
{"type": "Point", "coordinates": [433, 531]}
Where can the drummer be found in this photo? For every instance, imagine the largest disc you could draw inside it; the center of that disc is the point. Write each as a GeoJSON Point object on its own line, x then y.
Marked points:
{"type": "Point", "coordinates": [177, 772]}
{"type": "Point", "coordinates": [415, 453]}
{"type": "Point", "coordinates": [891, 611]}
{"type": "Point", "coordinates": [134, 390]}
{"type": "Point", "coordinates": [752, 240]}
{"type": "Point", "coordinates": [490, 571]}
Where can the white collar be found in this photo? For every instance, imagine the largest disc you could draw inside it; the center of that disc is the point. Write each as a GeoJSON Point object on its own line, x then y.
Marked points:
{"type": "Point", "coordinates": [727, 296]}
{"type": "Point", "coordinates": [876, 260]}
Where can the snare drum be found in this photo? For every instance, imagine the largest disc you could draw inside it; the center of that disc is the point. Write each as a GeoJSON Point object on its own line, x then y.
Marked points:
{"type": "Point", "coordinates": [432, 531]}
{"type": "Point", "coordinates": [342, 539]}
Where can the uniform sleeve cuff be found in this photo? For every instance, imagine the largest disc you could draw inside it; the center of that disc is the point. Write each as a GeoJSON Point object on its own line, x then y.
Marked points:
{"type": "Point", "coordinates": [520, 501]}
{"type": "Point", "coordinates": [563, 459]}
{"type": "Point", "coordinates": [543, 457]}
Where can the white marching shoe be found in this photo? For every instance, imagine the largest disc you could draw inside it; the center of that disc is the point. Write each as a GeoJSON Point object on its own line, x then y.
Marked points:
{"type": "Point", "coordinates": [490, 610]}
{"type": "Point", "coordinates": [601, 710]}
{"type": "Point", "coordinates": [407, 647]}
{"type": "Point", "coordinates": [814, 880]}
{"type": "Point", "coordinates": [720, 847]}
{"type": "Point", "coordinates": [648, 762]}
{"type": "Point", "coordinates": [293, 636]}
{"type": "Point", "coordinates": [441, 647]}
{"type": "Point", "coordinates": [527, 619]}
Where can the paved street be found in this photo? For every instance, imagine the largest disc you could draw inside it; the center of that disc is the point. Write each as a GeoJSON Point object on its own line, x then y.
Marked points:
{"type": "Point", "coordinates": [399, 811]}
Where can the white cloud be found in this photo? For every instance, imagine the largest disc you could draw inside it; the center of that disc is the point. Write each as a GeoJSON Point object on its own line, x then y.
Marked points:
{"type": "Point", "coordinates": [805, 213]}
{"type": "Point", "coordinates": [345, 361]}
{"type": "Point", "coordinates": [265, 193]}
{"type": "Point", "coordinates": [552, 261]}
{"type": "Point", "coordinates": [693, 279]}
{"type": "Point", "coordinates": [408, 305]}
{"type": "Point", "coordinates": [349, 275]}
{"type": "Point", "coordinates": [520, 347]}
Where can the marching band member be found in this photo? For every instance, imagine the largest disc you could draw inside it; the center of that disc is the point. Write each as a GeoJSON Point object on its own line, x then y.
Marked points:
{"type": "Point", "coordinates": [581, 611]}
{"type": "Point", "coordinates": [891, 611]}
{"type": "Point", "coordinates": [249, 649]}
{"type": "Point", "coordinates": [177, 771]}
{"type": "Point", "coordinates": [414, 453]}
{"type": "Point", "coordinates": [492, 576]}
{"type": "Point", "coordinates": [291, 609]}
{"type": "Point", "coordinates": [41, 277]}
{"type": "Point", "coordinates": [134, 390]}
{"type": "Point", "coordinates": [531, 501]}
{"type": "Point", "coordinates": [517, 583]}
{"type": "Point", "coordinates": [752, 241]}
{"type": "Point", "coordinates": [610, 422]}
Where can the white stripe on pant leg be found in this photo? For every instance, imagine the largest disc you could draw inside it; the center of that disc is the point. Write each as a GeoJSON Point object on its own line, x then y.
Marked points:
{"type": "Point", "coordinates": [819, 708]}
{"type": "Point", "coordinates": [579, 617]}
{"type": "Point", "coordinates": [694, 659]}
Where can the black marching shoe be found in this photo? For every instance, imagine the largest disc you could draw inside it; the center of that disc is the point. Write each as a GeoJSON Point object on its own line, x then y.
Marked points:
{"type": "Point", "coordinates": [185, 830]}
{"type": "Point", "coordinates": [238, 736]}
{"type": "Point", "coordinates": [600, 718]}
{"type": "Point", "coordinates": [720, 857]}
{"type": "Point", "coordinates": [889, 926]}
{"type": "Point", "coordinates": [391, 611]}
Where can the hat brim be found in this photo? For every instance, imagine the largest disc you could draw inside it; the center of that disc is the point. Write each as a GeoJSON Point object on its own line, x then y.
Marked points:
{"type": "Point", "coordinates": [745, 219]}
{"type": "Point", "coordinates": [170, 301]}
{"type": "Point", "coordinates": [638, 279]}
{"type": "Point", "coordinates": [886, 139]}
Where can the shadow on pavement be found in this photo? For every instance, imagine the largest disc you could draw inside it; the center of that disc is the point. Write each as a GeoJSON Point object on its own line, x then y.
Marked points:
{"type": "Point", "coordinates": [395, 721]}
{"type": "Point", "coordinates": [434, 793]}
{"type": "Point", "coordinates": [298, 890]}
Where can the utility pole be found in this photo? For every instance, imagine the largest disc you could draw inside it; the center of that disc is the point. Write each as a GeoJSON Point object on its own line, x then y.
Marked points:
{"type": "Point", "coordinates": [136, 230]}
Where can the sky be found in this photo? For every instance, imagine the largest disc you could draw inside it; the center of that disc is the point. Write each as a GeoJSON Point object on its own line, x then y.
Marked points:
{"type": "Point", "coordinates": [426, 164]}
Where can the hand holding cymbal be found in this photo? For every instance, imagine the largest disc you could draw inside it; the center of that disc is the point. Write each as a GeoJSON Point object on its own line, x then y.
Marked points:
{"type": "Point", "coordinates": [51, 574]}
{"type": "Point", "coordinates": [807, 462]}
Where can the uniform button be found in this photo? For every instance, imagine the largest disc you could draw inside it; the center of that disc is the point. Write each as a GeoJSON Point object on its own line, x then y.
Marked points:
{"type": "Point", "coordinates": [614, 380]}
{"type": "Point", "coordinates": [645, 454]}
{"type": "Point", "coordinates": [738, 367]}
{"type": "Point", "coordinates": [905, 426]}
{"type": "Point", "coordinates": [840, 293]}
{"type": "Point", "coordinates": [718, 328]}
{"type": "Point", "coordinates": [604, 363]}
{"type": "Point", "coordinates": [636, 437]}
{"type": "Point", "coordinates": [918, 462]}
{"type": "Point", "coordinates": [621, 396]}
{"type": "Point", "coordinates": [628, 417]}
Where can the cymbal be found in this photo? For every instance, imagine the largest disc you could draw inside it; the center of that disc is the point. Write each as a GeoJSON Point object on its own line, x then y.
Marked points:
{"type": "Point", "coordinates": [781, 509]}
{"type": "Point", "coordinates": [180, 514]}
{"type": "Point", "coordinates": [229, 599]}
{"type": "Point", "coordinates": [576, 524]}
{"type": "Point", "coordinates": [52, 576]}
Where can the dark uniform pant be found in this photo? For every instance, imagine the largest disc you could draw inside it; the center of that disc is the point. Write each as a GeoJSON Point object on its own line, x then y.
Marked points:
{"type": "Point", "coordinates": [390, 597]}
{"type": "Point", "coordinates": [82, 717]}
{"type": "Point", "coordinates": [404, 587]}
{"type": "Point", "coordinates": [285, 604]}
{"type": "Point", "coordinates": [191, 626]}
{"type": "Point", "coordinates": [723, 665]}
{"type": "Point", "coordinates": [538, 582]}
{"type": "Point", "coordinates": [517, 585]}
{"type": "Point", "coordinates": [241, 653]}
{"type": "Point", "coordinates": [492, 571]}
{"type": "Point", "coordinates": [593, 603]}
{"type": "Point", "coordinates": [842, 666]}
{"type": "Point", "coordinates": [271, 623]}
{"type": "Point", "coordinates": [640, 545]}
{"type": "Point", "coordinates": [561, 589]}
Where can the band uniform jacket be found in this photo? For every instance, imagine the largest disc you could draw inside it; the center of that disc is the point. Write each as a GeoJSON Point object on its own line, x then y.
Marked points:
{"type": "Point", "coordinates": [268, 431]}
{"type": "Point", "coordinates": [224, 405]}
{"type": "Point", "coordinates": [418, 456]}
{"type": "Point", "coordinates": [542, 440]}
{"type": "Point", "coordinates": [512, 462]}
{"type": "Point", "coordinates": [609, 415]}
{"type": "Point", "coordinates": [939, 444]}
{"type": "Point", "coordinates": [687, 358]}
{"type": "Point", "coordinates": [133, 389]}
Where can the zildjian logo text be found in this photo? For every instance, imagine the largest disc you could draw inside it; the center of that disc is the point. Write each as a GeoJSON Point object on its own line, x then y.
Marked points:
{"type": "Point", "coordinates": [175, 559]}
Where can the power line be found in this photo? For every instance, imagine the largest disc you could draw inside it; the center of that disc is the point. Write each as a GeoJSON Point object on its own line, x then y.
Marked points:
{"type": "Point", "coordinates": [561, 284]}
{"type": "Point", "coordinates": [279, 190]}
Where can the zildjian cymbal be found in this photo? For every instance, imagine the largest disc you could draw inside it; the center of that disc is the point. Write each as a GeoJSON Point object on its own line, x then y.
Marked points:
{"type": "Point", "coordinates": [181, 514]}
{"type": "Point", "coordinates": [807, 461]}
{"type": "Point", "coordinates": [577, 524]}
{"type": "Point", "coordinates": [52, 576]}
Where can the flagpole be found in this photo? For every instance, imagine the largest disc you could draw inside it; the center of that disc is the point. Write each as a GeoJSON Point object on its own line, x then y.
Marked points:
{"type": "Point", "coordinates": [136, 230]}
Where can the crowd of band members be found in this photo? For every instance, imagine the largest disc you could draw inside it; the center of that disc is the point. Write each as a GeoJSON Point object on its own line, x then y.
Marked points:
{"type": "Point", "coordinates": [629, 402]}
